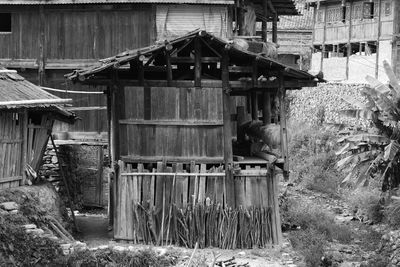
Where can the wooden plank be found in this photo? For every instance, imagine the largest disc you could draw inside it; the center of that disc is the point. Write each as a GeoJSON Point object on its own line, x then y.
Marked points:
{"type": "Point", "coordinates": [179, 187]}
{"type": "Point", "coordinates": [248, 190]}
{"type": "Point", "coordinates": [197, 62]}
{"type": "Point", "coordinates": [210, 186]}
{"type": "Point", "coordinates": [146, 187]}
{"type": "Point", "coordinates": [264, 189]}
{"type": "Point", "coordinates": [283, 129]}
{"type": "Point", "coordinates": [10, 179]}
{"type": "Point", "coordinates": [219, 188]}
{"type": "Point", "coordinates": [159, 189]}
{"type": "Point", "coordinates": [275, 194]}
{"type": "Point", "coordinates": [192, 182]}
{"type": "Point", "coordinates": [130, 199]}
{"type": "Point", "coordinates": [191, 123]}
{"type": "Point", "coordinates": [202, 184]}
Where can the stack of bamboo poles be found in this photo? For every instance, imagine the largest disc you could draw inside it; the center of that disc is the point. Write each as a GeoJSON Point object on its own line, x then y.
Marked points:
{"type": "Point", "coordinates": [175, 207]}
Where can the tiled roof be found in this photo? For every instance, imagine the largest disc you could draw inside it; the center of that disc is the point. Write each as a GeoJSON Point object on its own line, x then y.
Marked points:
{"type": "Point", "coordinates": [301, 22]}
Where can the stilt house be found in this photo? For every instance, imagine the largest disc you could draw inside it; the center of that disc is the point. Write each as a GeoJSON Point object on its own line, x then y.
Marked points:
{"type": "Point", "coordinates": [27, 115]}
{"type": "Point", "coordinates": [177, 116]}
{"type": "Point", "coordinates": [351, 38]}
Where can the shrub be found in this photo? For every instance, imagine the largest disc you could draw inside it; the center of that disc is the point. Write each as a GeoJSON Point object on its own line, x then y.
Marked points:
{"type": "Point", "coordinates": [392, 214]}
{"type": "Point", "coordinates": [367, 203]}
{"type": "Point", "coordinates": [308, 215]}
{"type": "Point", "coordinates": [311, 244]}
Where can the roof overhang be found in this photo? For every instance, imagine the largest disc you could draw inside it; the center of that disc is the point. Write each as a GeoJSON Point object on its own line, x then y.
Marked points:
{"type": "Point", "coordinates": [77, 2]}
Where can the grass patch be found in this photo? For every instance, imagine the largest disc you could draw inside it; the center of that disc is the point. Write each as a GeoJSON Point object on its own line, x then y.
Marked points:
{"type": "Point", "coordinates": [366, 202]}
{"type": "Point", "coordinates": [111, 258]}
{"type": "Point", "coordinates": [315, 228]}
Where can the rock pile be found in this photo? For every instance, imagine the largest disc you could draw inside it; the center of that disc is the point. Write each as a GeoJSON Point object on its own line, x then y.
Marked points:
{"type": "Point", "coordinates": [322, 103]}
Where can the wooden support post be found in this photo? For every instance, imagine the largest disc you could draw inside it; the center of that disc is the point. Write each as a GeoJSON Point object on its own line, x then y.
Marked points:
{"type": "Point", "coordinates": [115, 116]}
{"type": "Point", "coordinates": [240, 22]}
{"type": "Point", "coordinates": [349, 41]}
{"type": "Point", "coordinates": [275, 29]}
{"type": "Point", "coordinates": [254, 106]}
{"type": "Point", "coordinates": [378, 38]}
{"type": "Point", "coordinates": [283, 131]}
{"type": "Point", "coordinates": [169, 67]}
{"type": "Point", "coordinates": [228, 153]}
{"type": "Point", "coordinates": [264, 33]}
{"type": "Point", "coordinates": [111, 177]}
{"type": "Point", "coordinates": [241, 118]}
{"type": "Point", "coordinates": [323, 41]}
{"type": "Point", "coordinates": [266, 108]}
{"type": "Point", "coordinates": [42, 45]}
{"type": "Point", "coordinates": [197, 62]}
{"type": "Point", "coordinates": [24, 145]}
{"type": "Point", "coordinates": [254, 96]}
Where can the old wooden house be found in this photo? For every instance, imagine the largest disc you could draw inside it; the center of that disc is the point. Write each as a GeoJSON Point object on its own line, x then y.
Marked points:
{"type": "Point", "coordinates": [181, 114]}
{"type": "Point", "coordinates": [295, 37]}
{"type": "Point", "coordinates": [27, 115]}
{"type": "Point", "coordinates": [43, 39]}
{"type": "Point", "coordinates": [351, 38]}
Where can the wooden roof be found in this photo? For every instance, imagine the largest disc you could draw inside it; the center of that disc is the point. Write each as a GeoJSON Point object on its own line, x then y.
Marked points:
{"type": "Point", "coordinates": [154, 64]}
{"type": "Point", "coordinates": [17, 93]}
{"type": "Point", "coordinates": [67, 2]}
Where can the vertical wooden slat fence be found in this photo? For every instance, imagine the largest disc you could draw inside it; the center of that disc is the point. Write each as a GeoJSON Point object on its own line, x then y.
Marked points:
{"type": "Point", "coordinates": [185, 203]}
{"type": "Point", "coordinates": [11, 146]}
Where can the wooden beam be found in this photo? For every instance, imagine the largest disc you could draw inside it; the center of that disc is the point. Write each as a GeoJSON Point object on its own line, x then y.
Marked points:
{"type": "Point", "coordinates": [236, 85]}
{"type": "Point", "coordinates": [349, 41]}
{"type": "Point", "coordinates": [275, 28]}
{"type": "Point", "coordinates": [266, 108]}
{"type": "Point", "coordinates": [24, 149]}
{"type": "Point", "coordinates": [283, 130]}
{"type": "Point", "coordinates": [254, 96]}
{"type": "Point", "coordinates": [42, 45]}
{"type": "Point", "coordinates": [190, 123]}
{"type": "Point", "coordinates": [378, 38]}
{"type": "Point", "coordinates": [323, 41]}
{"type": "Point", "coordinates": [169, 67]}
{"type": "Point", "coordinates": [264, 32]}
{"type": "Point", "coordinates": [229, 190]}
{"type": "Point", "coordinates": [197, 63]}
{"type": "Point", "coordinates": [115, 117]}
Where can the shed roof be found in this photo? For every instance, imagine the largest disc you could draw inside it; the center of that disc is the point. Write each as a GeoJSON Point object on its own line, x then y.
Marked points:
{"type": "Point", "coordinates": [67, 2]}
{"type": "Point", "coordinates": [16, 92]}
{"type": "Point", "coordinates": [215, 44]}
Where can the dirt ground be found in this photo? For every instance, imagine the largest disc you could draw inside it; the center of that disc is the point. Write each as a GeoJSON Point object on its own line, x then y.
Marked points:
{"type": "Point", "coordinates": [95, 233]}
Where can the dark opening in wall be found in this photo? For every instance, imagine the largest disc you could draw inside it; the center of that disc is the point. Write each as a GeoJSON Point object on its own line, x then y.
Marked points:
{"type": "Point", "coordinates": [5, 22]}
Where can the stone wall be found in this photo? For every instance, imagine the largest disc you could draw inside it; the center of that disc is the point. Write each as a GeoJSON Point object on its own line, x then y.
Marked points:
{"type": "Point", "coordinates": [82, 167]}
{"type": "Point", "coordinates": [322, 104]}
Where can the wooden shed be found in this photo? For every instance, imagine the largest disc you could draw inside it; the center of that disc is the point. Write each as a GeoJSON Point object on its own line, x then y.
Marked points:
{"type": "Point", "coordinates": [180, 114]}
{"type": "Point", "coordinates": [27, 114]}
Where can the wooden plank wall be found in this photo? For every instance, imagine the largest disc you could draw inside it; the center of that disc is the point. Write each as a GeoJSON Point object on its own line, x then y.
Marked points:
{"type": "Point", "coordinates": [157, 208]}
{"type": "Point", "coordinates": [76, 32]}
{"type": "Point", "coordinates": [172, 122]}
{"type": "Point", "coordinates": [11, 149]}
{"type": "Point", "coordinates": [362, 29]}
{"type": "Point", "coordinates": [37, 139]}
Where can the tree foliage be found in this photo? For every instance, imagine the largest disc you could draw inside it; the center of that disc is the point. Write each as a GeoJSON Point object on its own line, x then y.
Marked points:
{"type": "Point", "coordinates": [365, 156]}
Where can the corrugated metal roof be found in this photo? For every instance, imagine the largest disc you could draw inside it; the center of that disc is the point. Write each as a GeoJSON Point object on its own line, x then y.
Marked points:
{"type": "Point", "coordinates": [14, 88]}
{"type": "Point", "coordinates": [67, 2]}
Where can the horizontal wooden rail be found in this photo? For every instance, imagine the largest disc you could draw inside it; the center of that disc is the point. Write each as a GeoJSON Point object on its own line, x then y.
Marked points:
{"type": "Point", "coordinates": [73, 92]}
{"type": "Point", "coordinates": [172, 122]}
{"type": "Point", "coordinates": [247, 173]}
{"type": "Point", "coordinates": [11, 141]}
{"type": "Point", "coordinates": [10, 179]}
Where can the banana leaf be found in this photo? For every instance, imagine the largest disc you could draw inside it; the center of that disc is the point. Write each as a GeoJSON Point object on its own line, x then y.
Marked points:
{"type": "Point", "coordinates": [391, 150]}
{"type": "Point", "coordinates": [377, 85]}
{"type": "Point", "coordinates": [369, 138]}
{"type": "Point", "coordinates": [357, 113]}
{"type": "Point", "coordinates": [392, 78]}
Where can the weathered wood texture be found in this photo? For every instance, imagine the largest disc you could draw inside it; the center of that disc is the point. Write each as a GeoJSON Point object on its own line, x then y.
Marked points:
{"type": "Point", "coordinates": [361, 29]}
{"type": "Point", "coordinates": [72, 33]}
{"type": "Point", "coordinates": [11, 147]}
{"type": "Point", "coordinates": [172, 122]}
{"type": "Point", "coordinates": [149, 207]}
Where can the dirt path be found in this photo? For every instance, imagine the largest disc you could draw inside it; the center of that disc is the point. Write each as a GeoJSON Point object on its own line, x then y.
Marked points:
{"type": "Point", "coordinates": [93, 229]}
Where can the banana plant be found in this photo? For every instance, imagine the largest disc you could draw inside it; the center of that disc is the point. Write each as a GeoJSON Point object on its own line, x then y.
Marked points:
{"type": "Point", "coordinates": [365, 156]}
